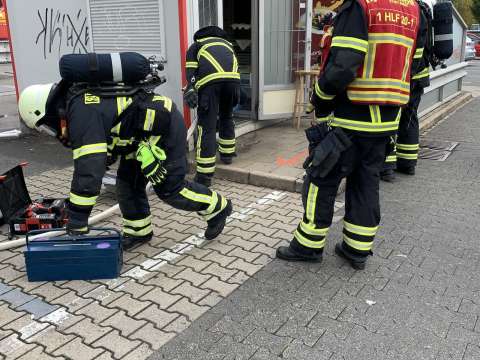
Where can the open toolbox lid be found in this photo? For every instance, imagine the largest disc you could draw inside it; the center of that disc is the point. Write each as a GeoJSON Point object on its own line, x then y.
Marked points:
{"type": "Point", "coordinates": [14, 195]}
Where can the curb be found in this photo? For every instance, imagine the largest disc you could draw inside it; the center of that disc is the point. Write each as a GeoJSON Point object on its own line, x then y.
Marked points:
{"type": "Point", "coordinates": [291, 184]}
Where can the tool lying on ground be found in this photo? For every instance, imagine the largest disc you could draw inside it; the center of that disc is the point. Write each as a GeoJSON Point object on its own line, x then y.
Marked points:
{"type": "Point", "coordinates": [97, 255]}
{"type": "Point", "coordinates": [20, 212]}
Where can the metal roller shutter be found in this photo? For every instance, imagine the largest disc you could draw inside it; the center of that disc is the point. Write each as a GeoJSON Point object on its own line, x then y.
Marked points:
{"type": "Point", "coordinates": [128, 25]}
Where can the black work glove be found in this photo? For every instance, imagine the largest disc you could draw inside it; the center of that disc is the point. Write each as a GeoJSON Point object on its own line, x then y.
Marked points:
{"type": "Point", "coordinates": [111, 159]}
{"type": "Point", "coordinates": [323, 108]}
{"type": "Point", "coordinates": [190, 96]}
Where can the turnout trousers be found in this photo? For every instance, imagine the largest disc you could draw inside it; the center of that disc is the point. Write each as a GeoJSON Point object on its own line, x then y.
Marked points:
{"type": "Point", "coordinates": [404, 152]}
{"type": "Point", "coordinates": [175, 191]}
{"type": "Point", "coordinates": [361, 165]}
{"type": "Point", "coordinates": [216, 103]}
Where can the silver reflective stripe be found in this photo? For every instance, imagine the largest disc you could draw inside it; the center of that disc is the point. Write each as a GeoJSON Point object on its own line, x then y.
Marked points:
{"type": "Point", "coordinates": [444, 37]}
{"type": "Point", "coordinates": [116, 67]}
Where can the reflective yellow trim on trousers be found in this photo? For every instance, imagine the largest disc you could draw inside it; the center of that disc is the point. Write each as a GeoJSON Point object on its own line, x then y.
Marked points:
{"type": "Point", "coordinates": [391, 158]}
{"type": "Point", "coordinates": [360, 230]}
{"type": "Point", "coordinates": [167, 102]}
{"type": "Point", "coordinates": [408, 146]}
{"type": "Point", "coordinates": [142, 232]}
{"type": "Point", "coordinates": [206, 160]}
{"type": "Point", "coordinates": [401, 155]}
{"type": "Point", "coordinates": [215, 76]}
{"type": "Point", "coordinates": [226, 141]}
{"type": "Point", "coordinates": [190, 195]}
{"type": "Point", "coordinates": [208, 213]}
{"type": "Point", "coordinates": [226, 150]}
{"type": "Point", "coordinates": [422, 74]}
{"type": "Point", "coordinates": [418, 53]}
{"type": "Point", "coordinates": [191, 64]}
{"type": "Point", "coordinates": [310, 229]}
{"type": "Point", "coordinates": [205, 170]}
{"type": "Point", "coordinates": [311, 203]}
{"type": "Point", "coordinates": [83, 200]}
{"type": "Point", "coordinates": [309, 243]}
{"type": "Point", "coordinates": [199, 142]}
{"type": "Point", "coordinates": [138, 223]}
{"type": "Point", "coordinates": [350, 43]}
{"type": "Point", "coordinates": [149, 120]}
{"type": "Point", "coordinates": [358, 245]}
{"type": "Point", "coordinates": [321, 94]}
{"type": "Point", "coordinates": [89, 149]}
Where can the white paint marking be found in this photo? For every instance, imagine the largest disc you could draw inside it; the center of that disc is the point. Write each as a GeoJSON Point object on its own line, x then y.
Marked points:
{"type": "Point", "coordinates": [31, 329]}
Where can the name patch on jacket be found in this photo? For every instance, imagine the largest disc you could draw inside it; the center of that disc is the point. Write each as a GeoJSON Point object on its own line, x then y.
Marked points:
{"type": "Point", "coordinates": [91, 99]}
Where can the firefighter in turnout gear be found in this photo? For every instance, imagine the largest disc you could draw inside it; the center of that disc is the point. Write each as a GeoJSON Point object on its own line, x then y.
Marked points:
{"type": "Point", "coordinates": [403, 151]}
{"type": "Point", "coordinates": [213, 84]}
{"type": "Point", "coordinates": [147, 132]}
{"type": "Point", "coordinates": [358, 100]}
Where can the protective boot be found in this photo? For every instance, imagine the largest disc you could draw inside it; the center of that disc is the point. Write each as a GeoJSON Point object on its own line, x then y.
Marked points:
{"type": "Point", "coordinates": [226, 159]}
{"type": "Point", "coordinates": [387, 175]}
{"type": "Point", "coordinates": [358, 262]}
{"type": "Point", "coordinates": [203, 179]}
{"type": "Point", "coordinates": [131, 242]}
{"type": "Point", "coordinates": [217, 224]}
{"type": "Point", "coordinates": [408, 170]}
{"type": "Point", "coordinates": [296, 253]}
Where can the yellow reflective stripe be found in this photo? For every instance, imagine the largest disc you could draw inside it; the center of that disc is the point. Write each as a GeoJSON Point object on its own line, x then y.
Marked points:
{"type": "Point", "coordinates": [390, 38]}
{"type": "Point", "coordinates": [418, 53]}
{"type": "Point", "coordinates": [205, 170]}
{"type": "Point", "coordinates": [83, 200]}
{"type": "Point", "coordinates": [222, 206]}
{"type": "Point", "coordinates": [376, 96]}
{"type": "Point", "coordinates": [122, 104]}
{"type": "Point", "coordinates": [189, 194]}
{"type": "Point", "coordinates": [223, 150]}
{"type": "Point", "coordinates": [358, 245]}
{"type": "Point", "coordinates": [211, 60]}
{"type": "Point", "coordinates": [131, 156]}
{"type": "Point", "coordinates": [310, 229]}
{"type": "Point", "coordinates": [125, 142]}
{"type": "Point", "coordinates": [226, 141]}
{"type": "Point", "coordinates": [322, 119]}
{"type": "Point", "coordinates": [206, 160]}
{"type": "Point", "coordinates": [191, 64]}
{"type": "Point", "coordinates": [350, 43]}
{"type": "Point", "coordinates": [153, 140]}
{"type": "Point", "coordinates": [225, 42]}
{"type": "Point", "coordinates": [167, 102]}
{"type": "Point", "coordinates": [381, 83]}
{"type": "Point", "coordinates": [422, 74]}
{"type": "Point", "coordinates": [138, 223]}
{"type": "Point", "coordinates": [214, 76]}
{"type": "Point", "coordinates": [391, 158]}
{"type": "Point", "coordinates": [199, 142]}
{"type": "Point", "coordinates": [235, 64]}
{"type": "Point", "coordinates": [216, 43]}
{"type": "Point", "coordinates": [364, 126]}
{"type": "Point", "coordinates": [89, 149]}
{"type": "Point", "coordinates": [321, 94]}
{"type": "Point", "coordinates": [401, 155]}
{"type": "Point", "coordinates": [360, 230]}
{"type": "Point", "coordinates": [116, 128]}
{"type": "Point", "coordinates": [408, 146]}
{"type": "Point", "coordinates": [149, 120]}
{"type": "Point", "coordinates": [309, 243]}
{"type": "Point", "coordinates": [311, 203]}
{"type": "Point", "coordinates": [408, 64]}
{"type": "Point", "coordinates": [375, 114]}
{"type": "Point", "coordinates": [141, 232]}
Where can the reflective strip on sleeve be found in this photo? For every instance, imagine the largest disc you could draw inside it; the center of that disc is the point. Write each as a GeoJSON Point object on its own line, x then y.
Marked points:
{"type": "Point", "coordinates": [89, 149]}
{"type": "Point", "coordinates": [215, 76]}
{"type": "Point", "coordinates": [211, 60]}
{"type": "Point", "coordinates": [149, 120]}
{"type": "Point", "coordinates": [418, 53]}
{"type": "Point", "coordinates": [422, 74]}
{"type": "Point", "coordinates": [350, 43]}
{"type": "Point", "coordinates": [360, 230]}
{"type": "Point", "coordinates": [82, 200]}
{"type": "Point", "coordinates": [311, 203]}
{"type": "Point", "coordinates": [167, 102]}
{"type": "Point", "coordinates": [321, 94]}
{"type": "Point", "coordinates": [191, 64]}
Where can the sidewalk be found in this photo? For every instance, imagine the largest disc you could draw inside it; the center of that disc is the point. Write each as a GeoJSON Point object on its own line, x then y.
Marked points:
{"type": "Point", "coordinates": [419, 297]}
{"type": "Point", "coordinates": [274, 156]}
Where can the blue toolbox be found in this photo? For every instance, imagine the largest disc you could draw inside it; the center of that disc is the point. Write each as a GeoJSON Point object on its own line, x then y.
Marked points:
{"type": "Point", "coordinates": [97, 255]}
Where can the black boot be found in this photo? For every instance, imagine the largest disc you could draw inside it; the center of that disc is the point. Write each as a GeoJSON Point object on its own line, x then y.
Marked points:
{"type": "Point", "coordinates": [203, 179]}
{"type": "Point", "coordinates": [295, 252]}
{"type": "Point", "coordinates": [408, 170]}
{"type": "Point", "coordinates": [387, 175]}
{"type": "Point", "coordinates": [217, 224]}
{"type": "Point", "coordinates": [357, 262]}
{"type": "Point", "coordinates": [130, 242]}
{"type": "Point", "coordinates": [226, 159]}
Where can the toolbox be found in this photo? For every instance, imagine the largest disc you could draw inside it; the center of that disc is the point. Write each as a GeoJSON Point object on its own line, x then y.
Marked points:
{"type": "Point", "coordinates": [20, 212]}
{"type": "Point", "coordinates": [97, 255]}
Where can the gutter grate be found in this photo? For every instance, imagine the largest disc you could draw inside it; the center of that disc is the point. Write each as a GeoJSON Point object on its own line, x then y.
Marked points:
{"type": "Point", "coordinates": [436, 150]}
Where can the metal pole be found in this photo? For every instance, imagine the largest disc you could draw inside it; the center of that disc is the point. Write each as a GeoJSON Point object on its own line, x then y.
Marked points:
{"type": "Point", "coordinates": [308, 45]}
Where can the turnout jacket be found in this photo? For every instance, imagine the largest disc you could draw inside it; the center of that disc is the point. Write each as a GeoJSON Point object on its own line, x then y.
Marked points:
{"type": "Point", "coordinates": [367, 74]}
{"type": "Point", "coordinates": [96, 129]}
{"type": "Point", "coordinates": [211, 58]}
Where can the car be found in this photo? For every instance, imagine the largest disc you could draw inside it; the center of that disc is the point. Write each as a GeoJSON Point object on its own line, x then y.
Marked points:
{"type": "Point", "coordinates": [469, 49]}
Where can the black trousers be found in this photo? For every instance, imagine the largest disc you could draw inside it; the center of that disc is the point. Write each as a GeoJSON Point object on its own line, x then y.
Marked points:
{"type": "Point", "coordinates": [216, 103]}
{"type": "Point", "coordinates": [405, 151]}
{"type": "Point", "coordinates": [361, 165]}
{"type": "Point", "coordinates": [175, 191]}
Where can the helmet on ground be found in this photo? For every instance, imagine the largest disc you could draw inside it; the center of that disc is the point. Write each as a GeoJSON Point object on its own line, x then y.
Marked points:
{"type": "Point", "coordinates": [32, 104]}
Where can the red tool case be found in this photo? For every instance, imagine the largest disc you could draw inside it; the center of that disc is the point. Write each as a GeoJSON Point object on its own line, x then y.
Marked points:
{"type": "Point", "coordinates": [20, 212]}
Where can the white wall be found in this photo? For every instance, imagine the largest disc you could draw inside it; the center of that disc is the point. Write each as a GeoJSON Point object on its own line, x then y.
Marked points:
{"type": "Point", "coordinates": [41, 32]}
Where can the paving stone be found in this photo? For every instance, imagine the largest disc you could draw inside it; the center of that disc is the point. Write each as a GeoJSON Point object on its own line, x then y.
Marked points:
{"type": "Point", "coordinates": [156, 338]}
{"type": "Point", "coordinates": [191, 292]}
{"type": "Point", "coordinates": [12, 347]}
{"type": "Point", "coordinates": [197, 265]}
{"type": "Point", "coordinates": [75, 349]}
{"type": "Point", "coordinates": [178, 325]}
{"type": "Point", "coordinates": [71, 301]}
{"type": "Point", "coordinates": [193, 277]}
{"type": "Point", "coordinates": [51, 339]}
{"type": "Point", "coordinates": [106, 355]}
{"type": "Point", "coordinates": [274, 344]}
{"type": "Point", "coordinates": [124, 323]}
{"type": "Point", "coordinates": [25, 326]}
{"type": "Point", "coordinates": [36, 353]}
{"type": "Point", "coordinates": [187, 308]}
{"type": "Point", "coordinates": [218, 258]}
{"type": "Point", "coordinates": [130, 305]}
{"type": "Point", "coordinates": [116, 343]}
{"type": "Point", "coordinates": [88, 331]}
{"type": "Point", "coordinates": [227, 348]}
{"type": "Point", "coordinates": [221, 287]}
{"type": "Point", "coordinates": [8, 315]}
{"type": "Point", "coordinates": [103, 295]}
{"type": "Point", "coordinates": [140, 353]}
{"type": "Point", "coordinates": [210, 300]}
{"type": "Point", "coordinates": [96, 311]}
{"type": "Point", "coordinates": [80, 287]}
{"type": "Point", "coordinates": [298, 351]}
{"type": "Point", "coordinates": [16, 298]}
{"type": "Point", "coordinates": [472, 352]}
{"type": "Point", "coordinates": [244, 266]}
{"type": "Point", "coordinates": [219, 271]}
{"type": "Point", "coordinates": [38, 308]}
{"type": "Point", "coordinates": [49, 291]}
{"type": "Point", "coordinates": [62, 319]}
{"type": "Point", "coordinates": [165, 282]}
{"type": "Point", "coordinates": [161, 298]}
{"type": "Point", "coordinates": [9, 273]}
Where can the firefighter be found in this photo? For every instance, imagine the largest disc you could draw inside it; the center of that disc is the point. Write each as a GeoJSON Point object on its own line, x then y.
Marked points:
{"type": "Point", "coordinates": [149, 138]}
{"type": "Point", "coordinates": [403, 151]}
{"type": "Point", "coordinates": [357, 100]}
{"type": "Point", "coordinates": [213, 84]}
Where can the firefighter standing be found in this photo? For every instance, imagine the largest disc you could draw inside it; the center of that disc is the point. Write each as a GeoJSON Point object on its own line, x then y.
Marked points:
{"type": "Point", "coordinates": [151, 141]}
{"type": "Point", "coordinates": [403, 154]}
{"type": "Point", "coordinates": [360, 92]}
{"type": "Point", "coordinates": [212, 71]}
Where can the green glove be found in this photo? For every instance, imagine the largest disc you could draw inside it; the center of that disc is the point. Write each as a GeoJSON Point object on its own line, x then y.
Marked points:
{"type": "Point", "coordinates": [152, 157]}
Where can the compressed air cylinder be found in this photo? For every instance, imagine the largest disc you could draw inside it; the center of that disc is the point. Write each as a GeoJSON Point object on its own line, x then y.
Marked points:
{"type": "Point", "coordinates": [443, 30]}
{"type": "Point", "coordinates": [125, 67]}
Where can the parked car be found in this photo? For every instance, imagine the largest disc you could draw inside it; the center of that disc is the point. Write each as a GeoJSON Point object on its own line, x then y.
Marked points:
{"type": "Point", "coordinates": [469, 49]}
